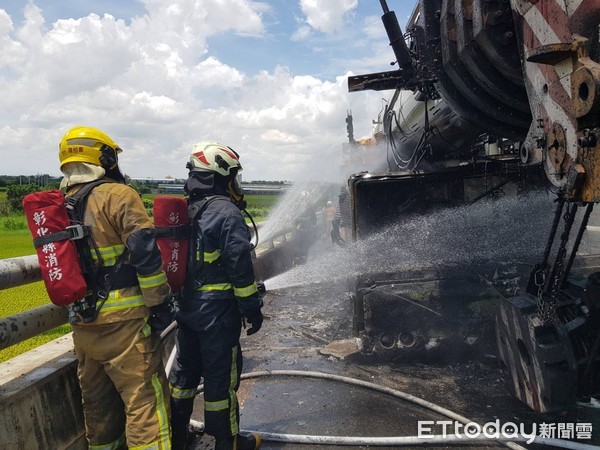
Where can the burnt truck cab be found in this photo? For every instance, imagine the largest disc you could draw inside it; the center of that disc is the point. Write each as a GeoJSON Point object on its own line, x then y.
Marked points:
{"type": "Point", "coordinates": [427, 308]}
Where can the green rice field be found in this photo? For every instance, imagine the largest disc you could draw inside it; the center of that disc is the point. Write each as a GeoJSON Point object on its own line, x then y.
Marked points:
{"type": "Point", "coordinates": [258, 205]}
{"type": "Point", "coordinates": [16, 241]}
{"type": "Point", "coordinates": [21, 298]}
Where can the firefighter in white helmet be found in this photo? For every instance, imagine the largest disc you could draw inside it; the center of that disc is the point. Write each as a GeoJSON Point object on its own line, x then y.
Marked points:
{"type": "Point", "coordinates": [115, 333]}
{"type": "Point", "coordinates": [221, 294]}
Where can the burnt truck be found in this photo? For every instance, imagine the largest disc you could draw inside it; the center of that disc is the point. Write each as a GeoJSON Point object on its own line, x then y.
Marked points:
{"type": "Point", "coordinates": [491, 98]}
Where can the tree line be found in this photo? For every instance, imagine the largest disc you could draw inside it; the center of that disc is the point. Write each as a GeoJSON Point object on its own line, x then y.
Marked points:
{"type": "Point", "coordinates": [38, 180]}
{"type": "Point", "coordinates": [18, 186]}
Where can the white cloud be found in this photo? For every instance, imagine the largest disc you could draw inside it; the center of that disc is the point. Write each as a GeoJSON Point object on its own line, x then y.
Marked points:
{"type": "Point", "coordinates": [33, 27]}
{"type": "Point", "coordinates": [12, 53]}
{"type": "Point", "coordinates": [301, 33]}
{"type": "Point", "coordinates": [373, 29]}
{"type": "Point", "coordinates": [154, 86]}
{"type": "Point", "coordinates": [154, 107]}
{"type": "Point", "coordinates": [213, 73]}
{"type": "Point", "coordinates": [191, 21]}
{"type": "Point", "coordinates": [326, 16]}
{"type": "Point", "coordinates": [278, 137]}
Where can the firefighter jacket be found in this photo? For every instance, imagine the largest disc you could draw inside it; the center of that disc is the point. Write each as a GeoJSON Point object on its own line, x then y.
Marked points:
{"type": "Point", "coordinates": [117, 219]}
{"type": "Point", "coordinates": [227, 273]}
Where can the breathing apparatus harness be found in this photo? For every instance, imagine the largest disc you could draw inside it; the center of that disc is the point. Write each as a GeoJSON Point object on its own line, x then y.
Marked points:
{"type": "Point", "coordinates": [195, 264]}
{"type": "Point", "coordinates": [100, 279]}
{"type": "Point", "coordinates": [235, 195]}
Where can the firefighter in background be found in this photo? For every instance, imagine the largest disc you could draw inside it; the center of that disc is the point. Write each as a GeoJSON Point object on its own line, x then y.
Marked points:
{"type": "Point", "coordinates": [123, 383]}
{"type": "Point", "coordinates": [223, 295]}
{"type": "Point", "coordinates": [329, 215]}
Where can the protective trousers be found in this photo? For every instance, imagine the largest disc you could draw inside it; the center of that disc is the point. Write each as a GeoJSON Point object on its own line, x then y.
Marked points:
{"type": "Point", "coordinates": [215, 355]}
{"type": "Point", "coordinates": [123, 386]}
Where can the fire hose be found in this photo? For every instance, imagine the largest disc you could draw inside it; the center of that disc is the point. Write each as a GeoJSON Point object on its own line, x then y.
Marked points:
{"type": "Point", "coordinates": [375, 441]}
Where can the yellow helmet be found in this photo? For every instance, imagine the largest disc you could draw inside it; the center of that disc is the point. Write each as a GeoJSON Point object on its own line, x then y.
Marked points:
{"type": "Point", "coordinates": [90, 145]}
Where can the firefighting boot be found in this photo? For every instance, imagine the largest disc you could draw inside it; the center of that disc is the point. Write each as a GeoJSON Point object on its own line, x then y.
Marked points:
{"type": "Point", "coordinates": [187, 441]}
{"type": "Point", "coordinates": [247, 441]}
{"type": "Point", "coordinates": [192, 441]}
{"type": "Point", "coordinates": [224, 443]}
{"type": "Point", "coordinates": [242, 441]}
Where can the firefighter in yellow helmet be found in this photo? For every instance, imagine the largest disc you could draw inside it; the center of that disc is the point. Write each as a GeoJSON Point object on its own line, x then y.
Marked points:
{"type": "Point", "coordinates": [222, 292]}
{"type": "Point", "coordinates": [115, 328]}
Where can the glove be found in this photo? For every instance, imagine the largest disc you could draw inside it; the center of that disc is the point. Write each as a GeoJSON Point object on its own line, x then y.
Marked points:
{"type": "Point", "coordinates": [261, 288]}
{"type": "Point", "coordinates": [255, 318]}
{"type": "Point", "coordinates": [161, 316]}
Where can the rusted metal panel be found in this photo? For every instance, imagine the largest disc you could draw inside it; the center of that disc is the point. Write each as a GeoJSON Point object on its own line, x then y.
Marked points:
{"type": "Point", "coordinates": [563, 84]}
{"type": "Point", "coordinates": [19, 271]}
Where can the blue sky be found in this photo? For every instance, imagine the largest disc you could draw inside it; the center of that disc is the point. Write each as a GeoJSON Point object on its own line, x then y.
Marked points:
{"type": "Point", "coordinates": [266, 78]}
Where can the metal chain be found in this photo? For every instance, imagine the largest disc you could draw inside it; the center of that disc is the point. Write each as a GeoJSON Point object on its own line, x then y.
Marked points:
{"type": "Point", "coordinates": [540, 281]}
{"type": "Point", "coordinates": [547, 306]}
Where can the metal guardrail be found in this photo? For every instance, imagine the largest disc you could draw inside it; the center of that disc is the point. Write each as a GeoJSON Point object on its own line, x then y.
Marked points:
{"type": "Point", "coordinates": [30, 323]}
{"type": "Point", "coordinates": [18, 271]}
{"type": "Point", "coordinates": [27, 324]}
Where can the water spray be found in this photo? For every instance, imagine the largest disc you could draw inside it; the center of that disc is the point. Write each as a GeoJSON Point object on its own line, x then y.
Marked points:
{"type": "Point", "coordinates": [468, 235]}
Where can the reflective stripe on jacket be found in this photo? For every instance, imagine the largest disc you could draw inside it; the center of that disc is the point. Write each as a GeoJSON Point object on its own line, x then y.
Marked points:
{"type": "Point", "coordinates": [227, 270]}
{"type": "Point", "coordinates": [117, 218]}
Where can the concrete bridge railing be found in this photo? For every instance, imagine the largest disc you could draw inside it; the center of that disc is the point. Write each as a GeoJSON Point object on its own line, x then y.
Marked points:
{"type": "Point", "coordinates": [40, 400]}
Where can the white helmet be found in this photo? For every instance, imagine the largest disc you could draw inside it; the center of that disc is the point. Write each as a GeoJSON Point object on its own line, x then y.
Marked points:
{"type": "Point", "coordinates": [214, 157]}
